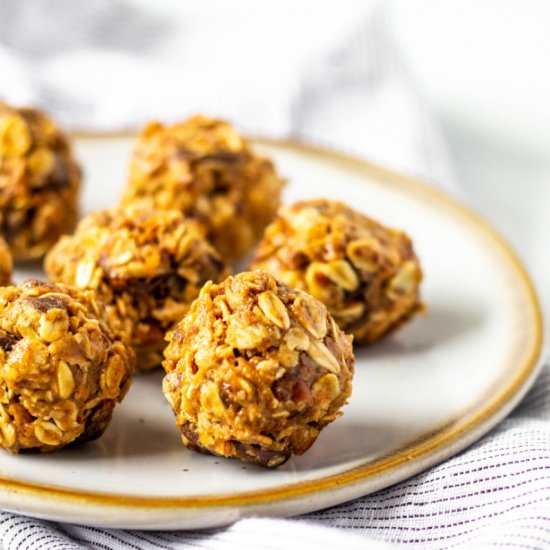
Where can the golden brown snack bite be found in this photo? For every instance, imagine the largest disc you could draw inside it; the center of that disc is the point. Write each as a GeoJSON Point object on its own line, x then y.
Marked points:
{"type": "Point", "coordinates": [205, 169]}
{"type": "Point", "coordinates": [256, 370]}
{"type": "Point", "coordinates": [366, 274]}
{"type": "Point", "coordinates": [39, 182]}
{"type": "Point", "coordinates": [62, 370]}
{"type": "Point", "coordinates": [146, 266]}
{"type": "Point", "coordinates": [6, 265]}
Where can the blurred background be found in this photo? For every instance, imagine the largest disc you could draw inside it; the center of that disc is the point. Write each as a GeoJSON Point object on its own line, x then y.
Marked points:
{"type": "Point", "coordinates": [454, 92]}
{"type": "Point", "coordinates": [483, 66]}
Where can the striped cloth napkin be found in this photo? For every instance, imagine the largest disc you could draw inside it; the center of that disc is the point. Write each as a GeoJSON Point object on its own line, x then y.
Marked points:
{"type": "Point", "coordinates": [108, 64]}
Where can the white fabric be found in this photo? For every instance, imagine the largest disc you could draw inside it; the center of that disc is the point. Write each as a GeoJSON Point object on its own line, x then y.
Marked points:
{"type": "Point", "coordinates": [326, 72]}
{"type": "Point", "coordinates": [304, 69]}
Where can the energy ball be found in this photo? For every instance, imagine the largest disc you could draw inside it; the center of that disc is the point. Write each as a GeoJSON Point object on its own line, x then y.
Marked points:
{"type": "Point", "coordinates": [39, 182]}
{"type": "Point", "coordinates": [256, 370]}
{"type": "Point", "coordinates": [62, 370]}
{"type": "Point", "coordinates": [205, 169]}
{"type": "Point", "coordinates": [366, 274]}
{"type": "Point", "coordinates": [146, 267]}
{"type": "Point", "coordinates": [5, 263]}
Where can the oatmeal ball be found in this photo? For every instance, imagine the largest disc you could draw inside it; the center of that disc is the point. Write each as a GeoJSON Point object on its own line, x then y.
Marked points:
{"type": "Point", "coordinates": [146, 266]}
{"type": "Point", "coordinates": [205, 169]}
{"type": "Point", "coordinates": [366, 274]}
{"type": "Point", "coordinates": [39, 182]}
{"type": "Point", "coordinates": [5, 263]}
{"type": "Point", "coordinates": [256, 370]}
{"type": "Point", "coordinates": [62, 370]}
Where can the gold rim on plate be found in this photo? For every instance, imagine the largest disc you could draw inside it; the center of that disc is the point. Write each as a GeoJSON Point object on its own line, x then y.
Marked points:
{"type": "Point", "coordinates": [426, 451]}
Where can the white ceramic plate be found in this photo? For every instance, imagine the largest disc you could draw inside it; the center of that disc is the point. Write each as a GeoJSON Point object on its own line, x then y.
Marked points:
{"type": "Point", "coordinates": [419, 397]}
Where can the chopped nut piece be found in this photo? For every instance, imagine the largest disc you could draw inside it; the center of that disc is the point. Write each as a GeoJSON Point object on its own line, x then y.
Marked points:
{"type": "Point", "coordinates": [248, 382]}
{"type": "Point", "coordinates": [328, 385]}
{"type": "Point", "coordinates": [39, 182]}
{"type": "Point", "coordinates": [210, 399]}
{"type": "Point", "coordinates": [205, 169]}
{"type": "Point", "coordinates": [134, 261]}
{"type": "Point", "coordinates": [297, 338]}
{"type": "Point", "coordinates": [367, 275]}
{"type": "Point", "coordinates": [51, 392]}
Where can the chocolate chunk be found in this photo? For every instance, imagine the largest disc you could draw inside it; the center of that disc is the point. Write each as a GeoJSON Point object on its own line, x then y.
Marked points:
{"type": "Point", "coordinates": [7, 341]}
{"type": "Point", "coordinates": [45, 303]}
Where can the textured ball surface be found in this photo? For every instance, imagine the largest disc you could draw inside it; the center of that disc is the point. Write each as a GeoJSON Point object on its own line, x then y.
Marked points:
{"type": "Point", "coordinates": [39, 182]}
{"type": "Point", "coordinates": [205, 169]}
{"type": "Point", "coordinates": [256, 369]}
{"type": "Point", "coordinates": [62, 370]}
{"type": "Point", "coordinates": [366, 274]}
{"type": "Point", "coordinates": [146, 267]}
